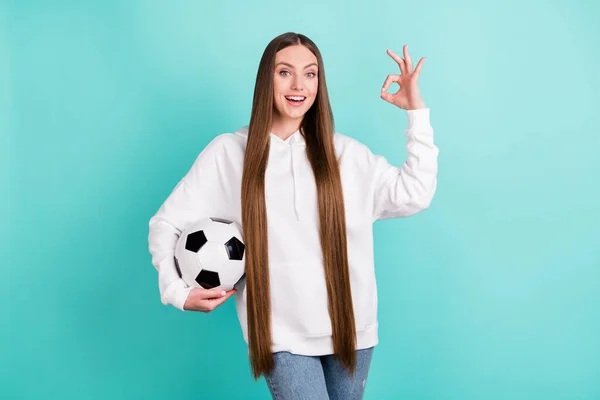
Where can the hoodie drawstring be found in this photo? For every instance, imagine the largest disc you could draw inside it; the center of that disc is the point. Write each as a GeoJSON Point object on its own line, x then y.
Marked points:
{"type": "Point", "coordinates": [295, 180]}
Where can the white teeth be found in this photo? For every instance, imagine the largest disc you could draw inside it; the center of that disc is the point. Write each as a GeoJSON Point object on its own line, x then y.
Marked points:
{"type": "Point", "coordinates": [295, 98]}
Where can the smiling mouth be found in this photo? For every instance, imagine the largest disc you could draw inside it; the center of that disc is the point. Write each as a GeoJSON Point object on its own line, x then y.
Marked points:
{"type": "Point", "coordinates": [295, 100]}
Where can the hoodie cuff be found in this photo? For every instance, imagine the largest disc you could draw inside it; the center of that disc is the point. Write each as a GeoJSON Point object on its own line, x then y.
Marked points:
{"type": "Point", "coordinates": [176, 294]}
{"type": "Point", "coordinates": [418, 119]}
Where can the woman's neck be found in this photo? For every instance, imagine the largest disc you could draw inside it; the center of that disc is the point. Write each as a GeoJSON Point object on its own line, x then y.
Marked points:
{"type": "Point", "coordinates": [284, 128]}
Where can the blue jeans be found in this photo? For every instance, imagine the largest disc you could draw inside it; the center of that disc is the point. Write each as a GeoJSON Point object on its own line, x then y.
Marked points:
{"type": "Point", "coordinates": [297, 377]}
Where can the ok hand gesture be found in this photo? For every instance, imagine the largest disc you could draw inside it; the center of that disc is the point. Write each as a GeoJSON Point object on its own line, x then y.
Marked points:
{"type": "Point", "coordinates": [408, 97]}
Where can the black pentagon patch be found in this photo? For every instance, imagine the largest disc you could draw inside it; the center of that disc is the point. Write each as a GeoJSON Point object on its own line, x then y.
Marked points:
{"type": "Point", "coordinates": [235, 249]}
{"type": "Point", "coordinates": [177, 267]}
{"type": "Point", "coordinates": [222, 220]}
{"type": "Point", "coordinates": [195, 241]}
{"type": "Point", "coordinates": [208, 279]}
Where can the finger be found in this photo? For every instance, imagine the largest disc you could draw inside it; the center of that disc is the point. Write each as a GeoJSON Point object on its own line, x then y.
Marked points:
{"type": "Point", "coordinates": [217, 302]}
{"type": "Point", "coordinates": [212, 294]}
{"type": "Point", "coordinates": [387, 97]}
{"type": "Point", "coordinates": [388, 82]}
{"type": "Point", "coordinates": [418, 68]}
{"type": "Point", "coordinates": [398, 59]}
{"type": "Point", "coordinates": [217, 294]}
{"type": "Point", "coordinates": [409, 65]}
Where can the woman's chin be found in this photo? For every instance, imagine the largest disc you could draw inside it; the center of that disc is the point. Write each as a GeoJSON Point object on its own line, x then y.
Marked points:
{"type": "Point", "coordinates": [294, 114]}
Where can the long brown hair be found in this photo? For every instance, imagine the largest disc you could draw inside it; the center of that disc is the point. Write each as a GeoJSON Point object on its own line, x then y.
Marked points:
{"type": "Point", "coordinates": [317, 127]}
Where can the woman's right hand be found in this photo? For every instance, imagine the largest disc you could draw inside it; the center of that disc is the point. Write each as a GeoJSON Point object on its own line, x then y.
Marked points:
{"type": "Point", "coordinates": [206, 300]}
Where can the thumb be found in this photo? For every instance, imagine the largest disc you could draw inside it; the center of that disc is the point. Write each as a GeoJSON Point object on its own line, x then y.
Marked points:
{"type": "Point", "coordinates": [387, 96]}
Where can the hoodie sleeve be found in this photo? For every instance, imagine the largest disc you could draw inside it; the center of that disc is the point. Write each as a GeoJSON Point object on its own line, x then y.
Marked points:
{"type": "Point", "coordinates": [189, 200]}
{"type": "Point", "coordinates": [404, 191]}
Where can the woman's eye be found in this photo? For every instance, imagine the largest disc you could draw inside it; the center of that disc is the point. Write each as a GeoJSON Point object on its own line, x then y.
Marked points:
{"type": "Point", "coordinates": [283, 72]}
{"type": "Point", "coordinates": [312, 73]}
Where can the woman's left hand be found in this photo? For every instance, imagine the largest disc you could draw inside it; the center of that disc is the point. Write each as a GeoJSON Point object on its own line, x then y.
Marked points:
{"type": "Point", "coordinates": [408, 97]}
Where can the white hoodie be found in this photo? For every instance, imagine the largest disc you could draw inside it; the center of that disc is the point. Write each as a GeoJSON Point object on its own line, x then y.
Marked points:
{"type": "Point", "coordinates": [373, 189]}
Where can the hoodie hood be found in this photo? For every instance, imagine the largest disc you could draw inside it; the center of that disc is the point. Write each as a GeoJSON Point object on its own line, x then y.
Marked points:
{"type": "Point", "coordinates": [295, 138]}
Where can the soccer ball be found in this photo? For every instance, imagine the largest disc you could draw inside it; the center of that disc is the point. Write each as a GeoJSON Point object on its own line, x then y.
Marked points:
{"type": "Point", "coordinates": [210, 254]}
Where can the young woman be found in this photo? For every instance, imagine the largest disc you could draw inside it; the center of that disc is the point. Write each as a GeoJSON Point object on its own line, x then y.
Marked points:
{"type": "Point", "coordinates": [306, 198]}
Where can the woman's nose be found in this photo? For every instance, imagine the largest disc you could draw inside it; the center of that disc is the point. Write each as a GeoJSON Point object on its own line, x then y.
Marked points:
{"type": "Point", "coordinates": [297, 84]}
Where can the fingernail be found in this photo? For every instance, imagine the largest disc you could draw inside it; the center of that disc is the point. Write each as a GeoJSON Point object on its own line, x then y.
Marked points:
{"type": "Point", "coordinates": [223, 293]}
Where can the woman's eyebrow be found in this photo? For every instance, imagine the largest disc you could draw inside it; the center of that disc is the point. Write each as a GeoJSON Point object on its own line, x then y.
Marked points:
{"type": "Point", "coordinates": [291, 66]}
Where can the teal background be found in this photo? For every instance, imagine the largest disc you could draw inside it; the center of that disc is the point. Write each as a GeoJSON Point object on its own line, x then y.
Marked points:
{"type": "Point", "coordinates": [492, 293]}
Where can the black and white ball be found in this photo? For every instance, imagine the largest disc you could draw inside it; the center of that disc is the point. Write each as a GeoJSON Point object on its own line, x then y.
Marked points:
{"type": "Point", "coordinates": [210, 254]}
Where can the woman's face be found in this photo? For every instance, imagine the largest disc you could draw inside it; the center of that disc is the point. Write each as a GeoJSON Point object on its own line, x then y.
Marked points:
{"type": "Point", "coordinates": [295, 82]}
